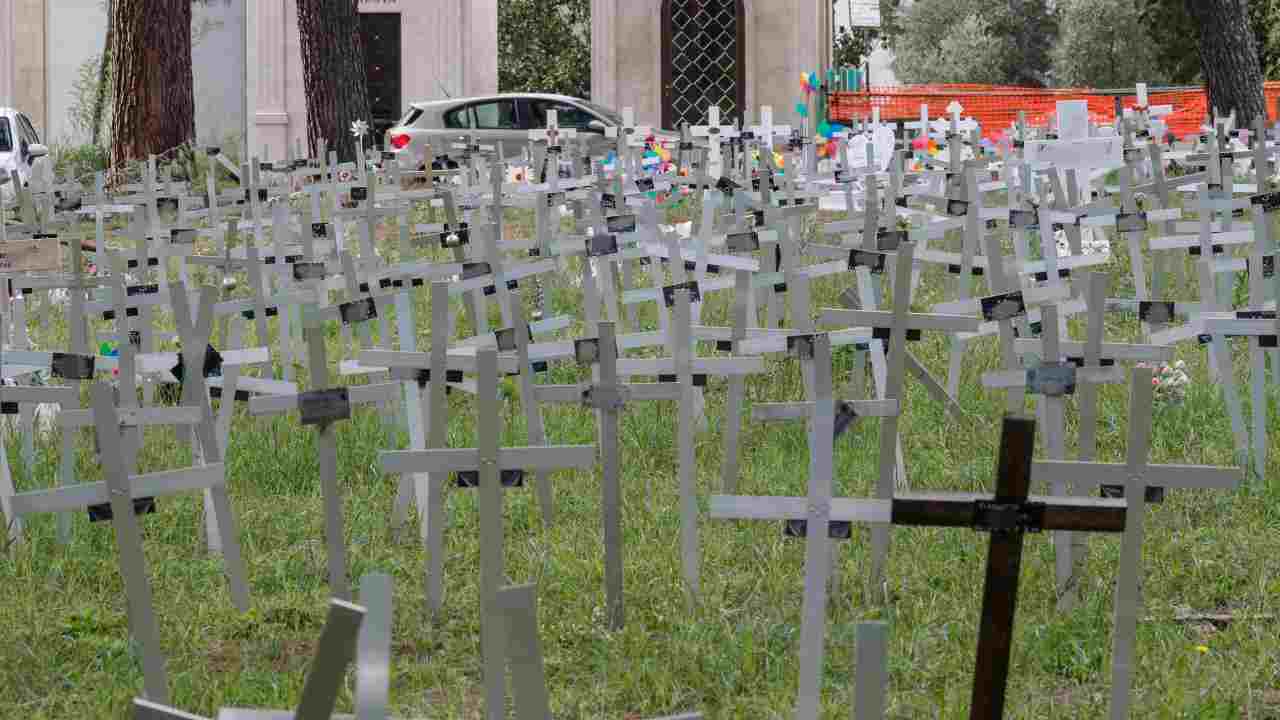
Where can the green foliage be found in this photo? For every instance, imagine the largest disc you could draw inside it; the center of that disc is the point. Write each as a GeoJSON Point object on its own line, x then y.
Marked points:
{"type": "Point", "coordinates": [1096, 48]}
{"type": "Point", "coordinates": [79, 160]}
{"type": "Point", "coordinates": [84, 92]}
{"type": "Point", "coordinates": [853, 45]}
{"type": "Point", "coordinates": [969, 41]}
{"type": "Point", "coordinates": [1174, 38]}
{"type": "Point", "coordinates": [545, 46]}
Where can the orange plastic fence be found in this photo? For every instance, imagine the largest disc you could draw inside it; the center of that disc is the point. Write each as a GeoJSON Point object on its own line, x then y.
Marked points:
{"type": "Point", "coordinates": [996, 107]}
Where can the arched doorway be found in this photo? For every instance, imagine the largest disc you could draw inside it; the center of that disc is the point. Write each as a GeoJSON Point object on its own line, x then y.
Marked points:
{"type": "Point", "coordinates": [703, 60]}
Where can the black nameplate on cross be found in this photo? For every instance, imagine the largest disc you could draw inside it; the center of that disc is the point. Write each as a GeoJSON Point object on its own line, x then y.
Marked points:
{"type": "Point", "coordinates": [1007, 516]}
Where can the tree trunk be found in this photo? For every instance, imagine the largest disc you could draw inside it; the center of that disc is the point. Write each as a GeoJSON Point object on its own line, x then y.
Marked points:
{"type": "Point", "coordinates": [1229, 58]}
{"type": "Point", "coordinates": [154, 101]}
{"type": "Point", "coordinates": [333, 73]}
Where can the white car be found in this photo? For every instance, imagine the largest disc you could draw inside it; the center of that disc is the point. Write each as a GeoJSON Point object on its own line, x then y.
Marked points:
{"type": "Point", "coordinates": [493, 119]}
{"type": "Point", "coordinates": [20, 150]}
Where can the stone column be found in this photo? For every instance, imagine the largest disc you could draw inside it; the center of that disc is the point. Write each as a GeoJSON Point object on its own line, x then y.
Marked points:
{"type": "Point", "coordinates": [479, 31]}
{"type": "Point", "coordinates": [8, 55]}
{"type": "Point", "coordinates": [604, 52]}
{"type": "Point", "coordinates": [30, 79]}
{"type": "Point", "coordinates": [267, 105]}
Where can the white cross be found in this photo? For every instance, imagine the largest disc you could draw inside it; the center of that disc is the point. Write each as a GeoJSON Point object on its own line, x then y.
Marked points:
{"type": "Point", "coordinates": [766, 130]}
{"type": "Point", "coordinates": [715, 133]}
{"type": "Point", "coordinates": [635, 134]}
{"type": "Point", "coordinates": [1135, 474]}
{"type": "Point", "coordinates": [552, 132]}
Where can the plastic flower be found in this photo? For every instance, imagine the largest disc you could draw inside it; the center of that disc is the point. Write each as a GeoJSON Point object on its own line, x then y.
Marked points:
{"type": "Point", "coordinates": [359, 129]}
{"type": "Point", "coordinates": [1169, 380]}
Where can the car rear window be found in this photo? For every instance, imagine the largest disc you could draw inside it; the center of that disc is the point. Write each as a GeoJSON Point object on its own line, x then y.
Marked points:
{"type": "Point", "coordinates": [568, 116]}
{"type": "Point", "coordinates": [6, 136]}
{"type": "Point", "coordinates": [411, 118]}
{"type": "Point", "coordinates": [458, 119]}
{"type": "Point", "coordinates": [498, 115]}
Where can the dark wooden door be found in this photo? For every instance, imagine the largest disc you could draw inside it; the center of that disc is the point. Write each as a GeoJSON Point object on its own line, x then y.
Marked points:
{"type": "Point", "coordinates": [381, 35]}
{"type": "Point", "coordinates": [703, 60]}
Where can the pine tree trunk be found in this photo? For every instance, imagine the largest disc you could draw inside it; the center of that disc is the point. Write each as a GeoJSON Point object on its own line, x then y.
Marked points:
{"type": "Point", "coordinates": [333, 73]}
{"type": "Point", "coordinates": [154, 99]}
{"type": "Point", "coordinates": [1229, 58]}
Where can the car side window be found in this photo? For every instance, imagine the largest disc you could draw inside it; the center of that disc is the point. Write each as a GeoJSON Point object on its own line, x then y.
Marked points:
{"type": "Point", "coordinates": [458, 119]}
{"type": "Point", "coordinates": [498, 115]}
{"type": "Point", "coordinates": [568, 116]}
{"type": "Point", "coordinates": [6, 135]}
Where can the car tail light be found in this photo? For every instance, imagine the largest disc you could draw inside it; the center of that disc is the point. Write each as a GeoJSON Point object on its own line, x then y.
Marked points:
{"type": "Point", "coordinates": [400, 141]}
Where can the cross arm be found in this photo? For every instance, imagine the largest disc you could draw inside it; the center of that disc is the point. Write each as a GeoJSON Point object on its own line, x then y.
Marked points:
{"type": "Point", "coordinates": [1117, 351]}
{"type": "Point", "coordinates": [882, 318]}
{"type": "Point", "coordinates": [578, 394]}
{"type": "Point", "coordinates": [64, 396]}
{"type": "Point", "coordinates": [1182, 477]}
{"type": "Point", "coordinates": [264, 386]}
{"type": "Point", "coordinates": [1051, 513]}
{"type": "Point", "coordinates": [356, 395]}
{"type": "Point", "coordinates": [79, 496]}
{"type": "Point", "coordinates": [700, 366]}
{"type": "Point", "coordinates": [136, 416]}
{"type": "Point", "coordinates": [548, 457]}
{"type": "Point", "coordinates": [1018, 378]}
{"type": "Point", "coordinates": [1232, 324]}
{"type": "Point", "coordinates": [462, 360]}
{"type": "Point", "coordinates": [1038, 295]}
{"type": "Point", "coordinates": [766, 412]}
{"type": "Point", "coordinates": [313, 316]}
{"type": "Point", "coordinates": [755, 507]}
{"type": "Point", "coordinates": [232, 307]}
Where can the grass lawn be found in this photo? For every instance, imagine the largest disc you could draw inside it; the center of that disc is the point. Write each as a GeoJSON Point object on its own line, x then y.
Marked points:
{"type": "Point", "coordinates": [65, 651]}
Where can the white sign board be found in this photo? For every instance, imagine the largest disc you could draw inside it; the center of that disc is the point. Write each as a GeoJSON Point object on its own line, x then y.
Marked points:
{"type": "Point", "coordinates": [1073, 119]}
{"type": "Point", "coordinates": [864, 13]}
{"type": "Point", "coordinates": [1097, 152]}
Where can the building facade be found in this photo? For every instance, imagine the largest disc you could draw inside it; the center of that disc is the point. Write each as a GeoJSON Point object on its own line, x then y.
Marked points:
{"type": "Point", "coordinates": [415, 50]}
{"type": "Point", "coordinates": [50, 50]}
{"type": "Point", "coordinates": [668, 59]}
{"type": "Point", "coordinates": [672, 59]}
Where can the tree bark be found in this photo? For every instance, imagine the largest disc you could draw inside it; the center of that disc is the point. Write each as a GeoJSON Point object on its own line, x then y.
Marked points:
{"type": "Point", "coordinates": [154, 100]}
{"type": "Point", "coordinates": [1229, 58]}
{"type": "Point", "coordinates": [333, 73]}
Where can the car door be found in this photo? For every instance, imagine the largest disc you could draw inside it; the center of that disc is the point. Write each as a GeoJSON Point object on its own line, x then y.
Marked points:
{"type": "Point", "coordinates": [455, 124]}
{"type": "Point", "coordinates": [9, 153]}
{"type": "Point", "coordinates": [496, 122]}
{"type": "Point", "coordinates": [31, 166]}
{"type": "Point", "coordinates": [22, 143]}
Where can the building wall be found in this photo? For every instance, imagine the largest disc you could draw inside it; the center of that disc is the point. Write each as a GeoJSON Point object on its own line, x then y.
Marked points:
{"type": "Point", "coordinates": [29, 62]}
{"type": "Point", "coordinates": [77, 32]}
{"type": "Point", "coordinates": [217, 67]}
{"type": "Point", "coordinates": [449, 48]}
{"type": "Point", "coordinates": [784, 37]}
{"type": "Point", "coordinates": [8, 54]}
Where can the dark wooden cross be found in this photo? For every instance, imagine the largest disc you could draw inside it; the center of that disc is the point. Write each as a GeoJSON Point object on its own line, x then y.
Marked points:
{"type": "Point", "coordinates": [1008, 516]}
